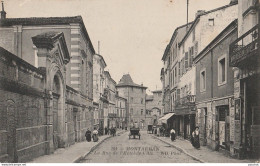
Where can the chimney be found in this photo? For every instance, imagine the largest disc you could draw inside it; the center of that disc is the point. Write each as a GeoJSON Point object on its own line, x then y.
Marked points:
{"type": "Point", "coordinates": [3, 13]}
{"type": "Point", "coordinates": [199, 12]}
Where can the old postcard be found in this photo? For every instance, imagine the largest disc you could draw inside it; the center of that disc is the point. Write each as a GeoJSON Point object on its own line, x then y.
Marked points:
{"type": "Point", "coordinates": [129, 81]}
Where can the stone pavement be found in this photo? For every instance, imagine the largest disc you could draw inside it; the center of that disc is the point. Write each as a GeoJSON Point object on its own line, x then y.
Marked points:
{"type": "Point", "coordinates": [73, 153]}
{"type": "Point", "coordinates": [203, 155]}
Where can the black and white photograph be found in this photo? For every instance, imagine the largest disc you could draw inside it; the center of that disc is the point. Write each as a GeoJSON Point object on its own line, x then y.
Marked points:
{"type": "Point", "coordinates": [129, 81]}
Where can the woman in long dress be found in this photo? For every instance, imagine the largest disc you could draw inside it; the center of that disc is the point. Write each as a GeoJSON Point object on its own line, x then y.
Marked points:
{"type": "Point", "coordinates": [95, 135]}
{"type": "Point", "coordinates": [88, 135]}
{"type": "Point", "coordinates": [195, 141]}
{"type": "Point", "coordinates": [172, 132]}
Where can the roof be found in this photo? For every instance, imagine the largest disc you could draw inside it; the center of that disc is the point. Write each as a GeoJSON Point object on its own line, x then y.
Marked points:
{"type": "Point", "coordinates": [232, 25]}
{"type": "Point", "coordinates": [126, 80]}
{"type": "Point", "coordinates": [102, 60]}
{"type": "Point", "coordinates": [109, 76]}
{"type": "Point", "coordinates": [204, 13]}
{"type": "Point", "coordinates": [157, 91]}
{"type": "Point", "coordinates": [172, 39]}
{"type": "Point", "coordinates": [47, 21]}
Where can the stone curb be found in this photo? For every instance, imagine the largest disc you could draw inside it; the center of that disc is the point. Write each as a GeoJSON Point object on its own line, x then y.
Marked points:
{"type": "Point", "coordinates": [181, 150]}
{"type": "Point", "coordinates": [93, 148]}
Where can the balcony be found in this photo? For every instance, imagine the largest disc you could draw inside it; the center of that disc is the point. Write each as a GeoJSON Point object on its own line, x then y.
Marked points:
{"type": "Point", "coordinates": [245, 49]}
{"type": "Point", "coordinates": [186, 101]}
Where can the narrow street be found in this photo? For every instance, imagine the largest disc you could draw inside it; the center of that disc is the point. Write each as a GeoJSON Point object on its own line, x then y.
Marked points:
{"type": "Point", "coordinates": [122, 150]}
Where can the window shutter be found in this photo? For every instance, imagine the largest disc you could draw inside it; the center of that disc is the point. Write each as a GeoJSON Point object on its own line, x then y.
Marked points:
{"type": "Point", "coordinates": [186, 60]}
{"type": "Point", "coordinates": [196, 49]}
{"type": "Point", "coordinates": [189, 58]}
{"type": "Point", "coordinates": [179, 68]}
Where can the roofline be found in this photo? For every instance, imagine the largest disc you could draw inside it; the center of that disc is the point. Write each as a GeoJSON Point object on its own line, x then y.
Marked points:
{"type": "Point", "coordinates": [76, 19]}
{"type": "Point", "coordinates": [205, 13]}
{"type": "Point", "coordinates": [102, 59]}
{"type": "Point", "coordinates": [172, 39]}
{"type": "Point", "coordinates": [215, 40]}
{"type": "Point", "coordinates": [138, 86]}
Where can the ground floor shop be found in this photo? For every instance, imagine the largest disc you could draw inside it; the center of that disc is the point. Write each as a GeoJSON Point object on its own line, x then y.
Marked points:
{"type": "Point", "coordinates": [247, 115]}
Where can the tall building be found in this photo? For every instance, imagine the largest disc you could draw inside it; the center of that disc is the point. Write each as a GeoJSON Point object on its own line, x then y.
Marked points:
{"type": "Point", "coordinates": [99, 65]}
{"type": "Point", "coordinates": [135, 95]}
{"type": "Point", "coordinates": [244, 57]}
{"type": "Point", "coordinates": [54, 62]}
{"type": "Point", "coordinates": [214, 91]}
{"type": "Point", "coordinates": [110, 114]}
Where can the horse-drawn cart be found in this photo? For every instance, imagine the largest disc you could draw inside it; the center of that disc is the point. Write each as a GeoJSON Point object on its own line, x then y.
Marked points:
{"type": "Point", "coordinates": [134, 132]}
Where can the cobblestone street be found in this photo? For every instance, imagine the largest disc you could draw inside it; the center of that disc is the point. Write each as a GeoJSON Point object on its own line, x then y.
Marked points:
{"type": "Point", "coordinates": [122, 150]}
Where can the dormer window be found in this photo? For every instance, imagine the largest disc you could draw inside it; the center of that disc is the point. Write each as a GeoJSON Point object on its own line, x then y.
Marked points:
{"type": "Point", "coordinates": [211, 22]}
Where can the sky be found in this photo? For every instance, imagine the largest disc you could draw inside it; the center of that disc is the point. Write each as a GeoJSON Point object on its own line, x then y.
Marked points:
{"type": "Point", "coordinates": [133, 34]}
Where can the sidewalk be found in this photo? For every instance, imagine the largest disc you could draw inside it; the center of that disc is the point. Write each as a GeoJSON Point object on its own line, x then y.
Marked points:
{"type": "Point", "coordinates": [204, 155]}
{"type": "Point", "coordinates": [73, 153]}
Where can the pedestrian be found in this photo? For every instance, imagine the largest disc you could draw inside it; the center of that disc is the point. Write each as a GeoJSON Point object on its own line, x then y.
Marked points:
{"type": "Point", "coordinates": [105, 130]}
{"type": "Point", "coordinates": [95, 135]}
{"type": "Point", "coordinates": [172, 133]}
{"type": "Point", "coordinates": [195, 141]}
{"type": "Point", "coordinates": [88, 135]}
{"type": "Point", "coordinates": [158, 131]}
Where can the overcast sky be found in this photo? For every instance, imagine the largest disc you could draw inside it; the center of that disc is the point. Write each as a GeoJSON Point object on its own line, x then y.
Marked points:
{"type": "Point", "coordinates": [133, 33]}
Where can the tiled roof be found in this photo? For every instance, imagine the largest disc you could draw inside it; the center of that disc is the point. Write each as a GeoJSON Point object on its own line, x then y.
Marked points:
{"type": "Point", "coordinates": [126, 80]}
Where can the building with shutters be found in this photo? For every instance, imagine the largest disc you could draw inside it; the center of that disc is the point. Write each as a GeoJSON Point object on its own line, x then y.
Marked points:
{"type": "Point", "coordinates": [214, 91]}
{"type": "Point", "coordinates": [99, 65]}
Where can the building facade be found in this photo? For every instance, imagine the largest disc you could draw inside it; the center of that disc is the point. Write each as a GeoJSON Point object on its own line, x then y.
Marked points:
{"type": "Point", "coordinates": [54, 59]}
{"type": "Point", "coordinates": [244, 57]}
{"type": "Point", "coordinates": [99, 65]}
{"type": "Point", "coordinates": [206, 26]}
{"type": "Point", "coordinates": [121, 108]}
{"type": "Point", "coordinates": [135, 95]}
{"type": "Point", "coordinates": [214, 91]}
{"type": "Point", "coordinates": [154, 107]}
{"type": "Point", "coordinates": [110, 114]}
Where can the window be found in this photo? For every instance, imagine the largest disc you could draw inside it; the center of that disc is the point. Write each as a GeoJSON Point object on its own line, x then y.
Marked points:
{"type": "Point", "coordinates": [193, 35]}
{"type": "Point", "coordinates": [186, 60]}
{"type": "Point", "coordinates": [142, 100]}
{"type": "Point", "coordinates": [211, 22]}
{"type": "Point", "coordinates": [35, 56]}
{"type": "Point", "coordinates": [203, 80]}
{"type": "Point", "coordinates": [141, 111]}
{"type": "Point", "coordinates": [131, 111]}
{"type": "Point", "coordinates": [222, 70]}
{"type": "Point", "coordinates": [132, 100]}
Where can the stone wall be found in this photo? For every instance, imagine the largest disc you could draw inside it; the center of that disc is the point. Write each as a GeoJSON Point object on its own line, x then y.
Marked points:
{"type": "Point", "coordinates": [22, 110]}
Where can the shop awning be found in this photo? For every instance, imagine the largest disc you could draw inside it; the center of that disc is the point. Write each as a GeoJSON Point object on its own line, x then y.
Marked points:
{"type": "Point", "coordinates": [166, 117]}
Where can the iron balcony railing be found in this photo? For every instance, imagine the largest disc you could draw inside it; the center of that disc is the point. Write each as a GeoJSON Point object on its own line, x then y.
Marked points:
{"type": "Point", "coordinates": [186, 101]}
{"type": "Point", "coordinates": [244, 47]}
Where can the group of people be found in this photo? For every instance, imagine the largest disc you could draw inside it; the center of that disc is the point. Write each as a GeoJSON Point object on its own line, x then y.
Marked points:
{"type": "Point", "coordinates": [194, 137]}
{"type": "Point", "coordinates": [93, 134]}
{"type": "Point", "coordinates": [110, 131]}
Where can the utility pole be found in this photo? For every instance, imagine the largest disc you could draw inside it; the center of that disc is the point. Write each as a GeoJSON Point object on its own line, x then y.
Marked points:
{"type": "Point", "coordinates": [187, 14]}
{"type": "Point", "coordinates": [99, 47]}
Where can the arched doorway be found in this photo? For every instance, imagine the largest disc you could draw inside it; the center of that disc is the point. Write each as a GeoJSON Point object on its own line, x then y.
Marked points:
{"type": "Point", "coordinates": [58, 110]}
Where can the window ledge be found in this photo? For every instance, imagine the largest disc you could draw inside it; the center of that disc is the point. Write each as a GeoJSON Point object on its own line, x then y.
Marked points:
{"type": "Point", "coordinates": [222, 83]}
